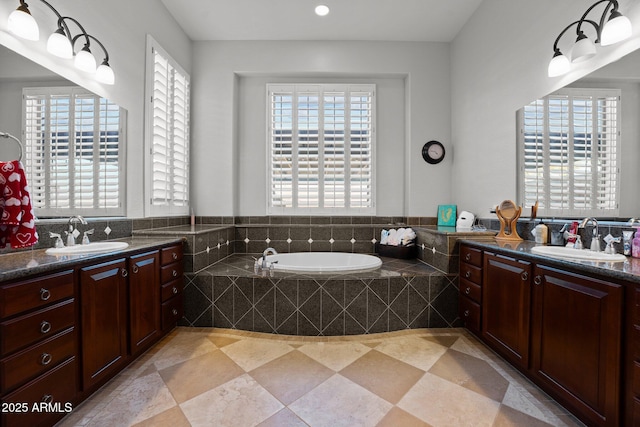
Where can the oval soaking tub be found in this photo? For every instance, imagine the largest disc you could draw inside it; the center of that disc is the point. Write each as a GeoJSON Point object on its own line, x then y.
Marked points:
{"type": "Point", "coordinates": [322, 262]}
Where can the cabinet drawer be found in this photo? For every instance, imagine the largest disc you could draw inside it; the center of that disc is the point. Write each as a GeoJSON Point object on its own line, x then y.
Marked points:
{"type": "Point", "coordinates": [171, 289]}
{"type": "Point", "coordinates": [170, 254]}
{"type": "Point", "coordinates": [25, 330]}
{"type": "Point", "coordinates": [172, 311]}
{"type": "Point", "coordinates": [470, 290]}
{"type": "Point", "coordinates": [471, 255]}
{"type": "Point", "coordinates": [35, 293]}
{"type": "Point", "coordinates": [170, 272]}
{"type": "Point", "coordinates": [36, 360]}
{"type": "Point", "coordinates": [470, 313]}
{"type": "Point", "coordinates": [471, 273]}
{"type": "Point", "coordinates": [58, 386]}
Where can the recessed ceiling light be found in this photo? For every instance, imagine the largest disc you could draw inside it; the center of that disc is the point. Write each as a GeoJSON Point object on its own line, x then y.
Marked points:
{"type": "Point", "coordinates": [322, 10]}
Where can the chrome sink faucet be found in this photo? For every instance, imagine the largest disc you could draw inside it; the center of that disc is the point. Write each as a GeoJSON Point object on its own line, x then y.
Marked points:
{"type": "Point", "coordinates": [73, 232]}
{"type": "Point", "coordinates": [595, 240]}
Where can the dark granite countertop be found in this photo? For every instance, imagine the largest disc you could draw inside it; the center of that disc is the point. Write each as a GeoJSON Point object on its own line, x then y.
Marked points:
{"type": "Point", "coordinates": [20, 264]}
{"type": "Point", "coordinates": [628, 270]}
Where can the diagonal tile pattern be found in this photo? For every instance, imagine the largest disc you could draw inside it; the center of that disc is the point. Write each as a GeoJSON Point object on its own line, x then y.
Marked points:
{"type": "Point", "coordinates": [411, 378]}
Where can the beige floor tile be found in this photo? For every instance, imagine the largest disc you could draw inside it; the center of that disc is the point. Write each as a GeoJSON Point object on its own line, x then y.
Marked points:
{"type": "Point", "coordinates": [251, 353]}
{"type": "Point", "coordinates": [413, 350]}
{"type": "Point", "coordinates": [396, 417]}
{"type": "Point", "coordinates": [340, 402]}
{"type": "Point", "coordinates": [442, 404]}
{"type": "Point", "coordinates": [284, 418]}
{"type": "Point", "coordinates": [170, 418]}
{"type": "Point", "coordinates": [291, 376]}
{"type": "Point", "coordinates": [239, 402]}
{"type": "Point", "coordinates": [522, 401]}
{"type": "Point", "coordinates": [335, 355]}
{"type": "Point", "coordinates": [509, 417]}
{"type": "Point", "coordinates": [383, 375]}
{"type": "Point", "coordinates": [183, 346]}
{"type": "Point", "coordinates": [195, 376]}
{"type": "Point", "coordinates": [443, 340]}
{"type": "Point", "coordinates": [472, 373]}
{"type": "Point", "coordinates": [145, 397]}
{"type": "Point", "coordinates": [221, 341]}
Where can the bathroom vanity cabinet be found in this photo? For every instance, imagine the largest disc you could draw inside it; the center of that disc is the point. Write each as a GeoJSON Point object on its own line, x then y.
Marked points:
{"type": "Point", "coordinates": [64, 334]}
{"type": "Point", "coordinates": [562, 329]}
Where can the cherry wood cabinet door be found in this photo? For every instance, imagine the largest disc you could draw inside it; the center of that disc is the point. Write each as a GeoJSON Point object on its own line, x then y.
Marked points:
{"type": "Point", "coordinates": [103, 296]}
{"type": "Point", "coordinates": [506, 307]}
{"type": "Point", "coordinates": [576, 342]}
{"type": "Point", "coordinates": [144, 301]}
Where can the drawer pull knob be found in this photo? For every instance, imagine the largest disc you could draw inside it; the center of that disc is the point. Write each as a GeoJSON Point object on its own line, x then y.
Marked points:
{"type": "Point", "coordinates": [468, 290]}
{"type": "Point", "coordinates": [467, 257]}
{"type": "Point", "coordinates": [537, 280]}
{"type": "Point", "coordinates": [135, 269]}
{"type": "Point", "coordinates": [44, 294]}
{"type": "Point", "coordinates": [45, 327]}
{"type": "Point", "coordinates": [45, 359]}
{"type": "Point", "coordinates": [125, 273]}
{"type": "Point", "coordinates": [466, 313]}
{"type": "Point", "coordinates": [467, 274]}
{"type": "Point", "coordinates": [47, 398]}
{"type": "Point", "coordinates": [175, 290]}
{"type": "Point", "coordinates": [525, 276]}
{"type": "Point", "coordinates": [174, 255]}
{"type": "Point", "coordinates": [175, 312]}
{"type": "Point", "coordinates": [175, 273]}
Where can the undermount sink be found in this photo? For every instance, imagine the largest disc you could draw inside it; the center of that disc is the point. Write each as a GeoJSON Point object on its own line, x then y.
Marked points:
{"type": "Point", "coordinates": [91, 248]}
{"type": "Point", "coordinates": [577, 254]}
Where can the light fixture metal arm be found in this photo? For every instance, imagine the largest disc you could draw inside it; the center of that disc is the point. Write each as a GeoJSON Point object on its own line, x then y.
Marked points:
{"type": "Point", "coordinates": [603, 18]}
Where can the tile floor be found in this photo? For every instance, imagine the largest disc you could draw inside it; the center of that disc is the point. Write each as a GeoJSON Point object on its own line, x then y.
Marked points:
{"type": "Point", "coordinates": [222, 377]}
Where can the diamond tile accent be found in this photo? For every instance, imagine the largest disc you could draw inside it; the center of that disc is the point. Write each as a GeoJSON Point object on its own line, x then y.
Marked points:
{"type": "Point", "coordinates": [310, 240]}
{"type": "Point", "coordinates": [246, 240]}
{"type": "Point", "coordinates": [352, 240]}
{"type": "Point", "coordinates": [331, 240]}
{"type": "Point", "coordinates": [107, 230]}
{"type": "Point", "coordinates": [267, 240]}
{"type": "Point", "coordinates": [289, 240]}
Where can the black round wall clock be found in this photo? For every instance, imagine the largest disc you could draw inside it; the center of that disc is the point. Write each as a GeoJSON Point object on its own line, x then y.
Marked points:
{"type": "Point", "coordinates": [433, 152]}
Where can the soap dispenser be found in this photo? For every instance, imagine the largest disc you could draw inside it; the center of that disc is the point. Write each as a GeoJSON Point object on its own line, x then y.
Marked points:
{"type": "Point", "coordinates": [635, 245]}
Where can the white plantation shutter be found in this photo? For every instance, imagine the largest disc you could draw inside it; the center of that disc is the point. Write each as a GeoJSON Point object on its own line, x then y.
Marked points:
{"type": "Point", "coordinates": [569, 153]}
{"type": "Point", "coordinates": [321, 148]}
{"type": "Point", "coordinates": [169, 134]}
{"type": "Point", "coordinates": [73, 152]}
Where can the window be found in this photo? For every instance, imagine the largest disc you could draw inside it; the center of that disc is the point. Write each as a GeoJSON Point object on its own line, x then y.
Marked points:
{"type": "Point", "coordinates": [167, 133]}
{"type": "Point", "coordinates": [74, 147]}
{"type": "Point", "coordinates": [569, 144]}
{"type": "Point", "coordinates": [321, 143]}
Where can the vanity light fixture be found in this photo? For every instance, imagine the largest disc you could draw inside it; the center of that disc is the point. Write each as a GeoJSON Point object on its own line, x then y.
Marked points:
{"type": "Point", "coordinates": [62, 42]}
{"type": "Point", "coordinates": [608, 31]}
{"type": "Point", "coordinates": [322, 10]}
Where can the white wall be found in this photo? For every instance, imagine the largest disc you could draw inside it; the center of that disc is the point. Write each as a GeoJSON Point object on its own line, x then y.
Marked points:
{"type": "Point", "coordinates": [499, 63]}
{"type": "Point", "coordinates": [228, 118]}
{"type": "Point", "coordinates": [121, 25]}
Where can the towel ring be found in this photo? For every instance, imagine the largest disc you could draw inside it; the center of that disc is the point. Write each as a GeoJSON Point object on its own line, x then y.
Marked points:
{"type": "Point", "coordinates": [8, 135]}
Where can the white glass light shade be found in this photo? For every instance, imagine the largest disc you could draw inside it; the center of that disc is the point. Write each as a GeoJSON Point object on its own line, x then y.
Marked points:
{"type": "Point", "coordinates": [616, 29]}
{"type": "Point", "coordinates": [23, 25]}
{"type": "Point", "coordinates": [583, 49]}
{"type": "Point", "coordinates": [322, 10]}
{"type": "Point", "coordinates": [85, 61]}
{"type": "Point", "coordinates": [104, 74]}
{"type": "Point", "coordinates": [59, 45]}
{"type": "Point", "coordinates": [559, 65]}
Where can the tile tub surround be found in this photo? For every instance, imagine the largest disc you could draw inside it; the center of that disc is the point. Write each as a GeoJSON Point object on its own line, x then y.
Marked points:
{"type": "Point", "coordinates": [217, 377]}
{"type": "Point", "coordinates": [402, 294]}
